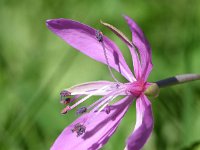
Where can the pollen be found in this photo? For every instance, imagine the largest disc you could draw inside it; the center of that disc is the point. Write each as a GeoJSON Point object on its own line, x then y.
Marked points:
{"type": "Point", "coordinates": [65, 101]}
{"type": "Point", "coordinates": [65, 93]}
{"type": "Point", "coordinates": [65, 97]}
{"type": "Point", "coordinates": [79, 129]}
{"type": "Point", "coordinates": [99, 35]}
{"type": "Point", "coordinates": [65, 110]}
{"type": "Point", "coordinates": [81, 110]}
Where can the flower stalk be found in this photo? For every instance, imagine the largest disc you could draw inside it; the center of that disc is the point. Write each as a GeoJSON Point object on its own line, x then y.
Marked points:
{"type": "Point", "coordinates": [179, 79]}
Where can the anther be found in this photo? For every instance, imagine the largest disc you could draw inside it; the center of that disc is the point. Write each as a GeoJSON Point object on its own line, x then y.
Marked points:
{"type": "Point", "coordinates": [79, 129]}
{"type": "Point", "coordinates": [65, 110]}
{"type": "Point", "coordinates": [65, 101]}
{"type": "Point", "coordinates": [65, 93]}
{"type": "Point", "coordinates": [63, 97]}
{"type": "Point", "coordinates": [99, 35]}
{"type": "Point", "coordinates": [81, 110]}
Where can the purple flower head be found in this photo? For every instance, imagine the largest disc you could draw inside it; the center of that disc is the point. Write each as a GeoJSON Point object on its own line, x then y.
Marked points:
{"type": "Point", "coordinates": [98, 121]}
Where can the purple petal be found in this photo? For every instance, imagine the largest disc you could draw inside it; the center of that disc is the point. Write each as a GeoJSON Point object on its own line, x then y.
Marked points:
{"type": "Point", "coordinates": [136, 62]}
{"type": "Point", "coordinates": [144, 124]}
{"type": "Point", "coordinates": [99, 128]}
{"type": "Point", "coordinates": [83, 38]}
{"type": "Point", "coordinates": [135, 57]}
{"type": "Point", "coordinates": [143, 46]}
{"type": "Point", "coordinates": [91, 87]}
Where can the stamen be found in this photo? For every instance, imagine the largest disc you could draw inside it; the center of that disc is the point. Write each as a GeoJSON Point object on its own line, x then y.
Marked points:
{"type": "Point", "coordinates": [102, 103]}
{"type": "Point", "coordinates": [81, 110]}
{"type": "Point", "coordinates": [111, 89]}
{"type": "Point", "coordinates": [65, 101]}
{"type": "Point", "coordinates": [79, 129]}
{"type": "Point", "coordinates": [104, 106]}
{"type": "Point", "coordinates": [63, 97]}
{"type": "Point", "coordinates": [96, 103]}
{"type": "Point", "coordinates": [107, 99]}
{"type": "Point", "coordinates": [107, 102]}
{"type": "Point", "coordinates": [65, 110]}
{"type": "Point", "coordinates": [65, 93]}
{"type": "Point", "coordinates": [75, 98]}
{"type": "Point", "coordinates": [99, 36]}
{"type": "Point", "coordinates": [88, 96]}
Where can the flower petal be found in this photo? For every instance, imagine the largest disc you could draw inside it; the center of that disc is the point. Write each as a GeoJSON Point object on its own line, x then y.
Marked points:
{"type": "Point", "coordinates": [83, 38]}
{"type": "Point", "coordinates": [144, 124]}
{"type": "Point", "coordinates": [135, 57]}
{"type": "Point", "coordinates": [91, 87]}
{"type": "Point", "coordinates": [136, 62]}
{"type": "Point", "coordinates": [143, 46]}
{"type": "Point", "coordinates": [98, 88]}
{"type": "Point", "coordinates": [99, 128]}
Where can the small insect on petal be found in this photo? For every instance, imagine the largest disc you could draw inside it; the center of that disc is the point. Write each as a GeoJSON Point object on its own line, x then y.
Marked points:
{"type": "Point", "coordinates": [79, 129]}
{"type": "Point", "coordinates": [81, 110]}
{"type": "Point", "coordinates": [99, 35]}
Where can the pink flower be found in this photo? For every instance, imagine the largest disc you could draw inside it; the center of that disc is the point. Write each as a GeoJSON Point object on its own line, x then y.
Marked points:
{"type": "Point", "coordinates": [100, 120]}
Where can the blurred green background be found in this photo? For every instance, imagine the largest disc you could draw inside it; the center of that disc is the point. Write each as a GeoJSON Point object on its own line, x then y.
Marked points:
{"type": "Point", "coordinates": [35, 66]}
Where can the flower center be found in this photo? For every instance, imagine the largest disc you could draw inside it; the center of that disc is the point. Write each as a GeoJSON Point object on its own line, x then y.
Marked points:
{"type": "Point", "coordinates": [136, 88]}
